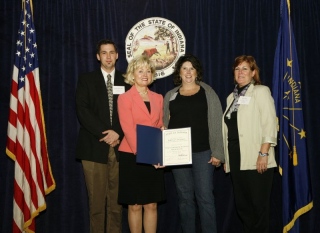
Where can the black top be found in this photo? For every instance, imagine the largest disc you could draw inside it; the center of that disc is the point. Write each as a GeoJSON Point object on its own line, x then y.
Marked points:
{"type": "Point", "coordinates": [191, 111]}
{"type": "Point", "coordinates": [148, 105]}
{"type": "Point", "coordinates": [232, 124]}
{"type": "Point", "coordinates": [233, 136]}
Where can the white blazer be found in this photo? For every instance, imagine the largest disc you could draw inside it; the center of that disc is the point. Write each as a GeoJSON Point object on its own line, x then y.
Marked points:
{"type": "Point", "coordinates": [257, 124]}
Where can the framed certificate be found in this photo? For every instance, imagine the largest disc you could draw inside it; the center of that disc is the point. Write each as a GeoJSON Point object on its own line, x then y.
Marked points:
{"type": "Point", "coordinates": [169, 147]}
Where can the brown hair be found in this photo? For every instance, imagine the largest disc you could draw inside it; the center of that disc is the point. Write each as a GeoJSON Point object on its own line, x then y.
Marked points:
{"type": "Point", "coordinates": [253, 66]}
{"type": "Point", "coordinates": [195, 63]}
{"type": "Point", "coordinates": [104, 42]}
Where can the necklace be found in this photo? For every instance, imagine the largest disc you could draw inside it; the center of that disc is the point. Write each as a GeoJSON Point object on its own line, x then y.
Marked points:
{"type": "Point", "coordinates": [143, 92]}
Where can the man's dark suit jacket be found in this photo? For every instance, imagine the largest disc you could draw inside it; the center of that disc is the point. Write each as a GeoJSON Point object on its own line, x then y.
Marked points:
{"type": "Point", "coordinates": [92, 107]}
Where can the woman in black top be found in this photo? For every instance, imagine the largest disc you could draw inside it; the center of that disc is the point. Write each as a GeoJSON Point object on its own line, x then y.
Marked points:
{"type": "Point", "coordinates": [195, 104]}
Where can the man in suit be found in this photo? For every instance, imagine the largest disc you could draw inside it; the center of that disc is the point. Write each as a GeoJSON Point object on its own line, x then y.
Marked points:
{"type": "Point", "coordinates": [99, 137]}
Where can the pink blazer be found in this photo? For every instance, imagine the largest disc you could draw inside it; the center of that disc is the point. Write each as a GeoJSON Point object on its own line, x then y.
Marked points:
{"type": "Point", "coordinates": [132, 111]}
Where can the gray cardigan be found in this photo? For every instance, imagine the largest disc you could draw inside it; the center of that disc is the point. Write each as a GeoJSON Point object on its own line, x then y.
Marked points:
{"type": "Point", "coordinates": [214, 119]}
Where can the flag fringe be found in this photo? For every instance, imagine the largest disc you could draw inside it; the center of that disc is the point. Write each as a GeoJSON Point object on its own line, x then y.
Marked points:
{"type": "Point", "coordinates": [297, 214]}
{"type": "Point", "coordinates": [10, 154]}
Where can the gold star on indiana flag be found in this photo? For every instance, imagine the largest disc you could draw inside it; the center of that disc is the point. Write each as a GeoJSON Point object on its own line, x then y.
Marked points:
{"type": "Point", "coordinates": [302, 134]}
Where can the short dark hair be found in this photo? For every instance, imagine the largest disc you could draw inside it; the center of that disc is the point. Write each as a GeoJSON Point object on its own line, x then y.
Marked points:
{"type": "Point", "coordinates": [195, 63]}
{"type": "Point", "coordinates": [105, 41]}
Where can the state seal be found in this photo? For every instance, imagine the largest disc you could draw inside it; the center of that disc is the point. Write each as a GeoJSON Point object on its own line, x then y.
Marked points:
{"type": "Point", "coordinates": [159, 39]}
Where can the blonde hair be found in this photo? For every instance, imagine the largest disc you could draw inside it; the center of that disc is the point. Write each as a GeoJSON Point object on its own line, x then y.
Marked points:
{"type": "Point", "coordinates": [138, 62]}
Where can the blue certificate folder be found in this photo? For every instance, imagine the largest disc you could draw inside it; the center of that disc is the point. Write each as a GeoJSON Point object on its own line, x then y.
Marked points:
{"type": "Point", "coordinates": [149, 145]}
{"type": "Point", "coordinates": [170, 147]}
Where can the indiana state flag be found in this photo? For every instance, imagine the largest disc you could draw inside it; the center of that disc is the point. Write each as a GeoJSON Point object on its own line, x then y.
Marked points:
{"type": "Point", "coordinates": [294, 168]}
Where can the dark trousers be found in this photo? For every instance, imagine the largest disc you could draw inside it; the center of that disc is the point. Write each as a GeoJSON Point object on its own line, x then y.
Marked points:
{"type": "Point", "coordinates": [252, 197]}
{"type": "Point", "coordinates": [102, 181]}
{"type": "Point", "coordinates": [251, 193]}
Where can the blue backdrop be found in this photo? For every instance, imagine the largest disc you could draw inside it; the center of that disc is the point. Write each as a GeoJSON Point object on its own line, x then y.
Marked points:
{"type": "Point", "coordinates": [216, 31]}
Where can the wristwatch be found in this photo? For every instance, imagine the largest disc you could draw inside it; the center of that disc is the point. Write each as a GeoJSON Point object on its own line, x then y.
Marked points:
{"type": "Point", "coordinates": [263, 154]}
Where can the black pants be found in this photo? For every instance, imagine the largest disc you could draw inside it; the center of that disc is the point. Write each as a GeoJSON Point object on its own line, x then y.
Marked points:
{"type": "Point", "coordinates": [252, 194]}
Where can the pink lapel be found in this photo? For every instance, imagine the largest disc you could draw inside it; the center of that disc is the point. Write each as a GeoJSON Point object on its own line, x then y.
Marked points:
{"type": "Point", "coordinates": [136, 98]}
{"type": "Point", "coordinates": [154, 105]}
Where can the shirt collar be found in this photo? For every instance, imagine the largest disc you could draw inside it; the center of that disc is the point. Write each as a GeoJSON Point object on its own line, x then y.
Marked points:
{"type": "Point", "coordinates": [105, 75]}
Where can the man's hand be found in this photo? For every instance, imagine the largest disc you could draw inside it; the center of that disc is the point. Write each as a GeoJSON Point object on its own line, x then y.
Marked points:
{"type": "Point", "coordinates": [115, 143]}
{"type": "Point", "coordinates": [111, 138]}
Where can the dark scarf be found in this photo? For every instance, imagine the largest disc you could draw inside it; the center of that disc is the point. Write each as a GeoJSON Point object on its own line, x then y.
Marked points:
{"type": "Point", "coordinates": [234, 107]}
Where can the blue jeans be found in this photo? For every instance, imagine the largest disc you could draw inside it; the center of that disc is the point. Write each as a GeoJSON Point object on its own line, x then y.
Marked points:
{"type": "Point", "coordinates": [195, 183]}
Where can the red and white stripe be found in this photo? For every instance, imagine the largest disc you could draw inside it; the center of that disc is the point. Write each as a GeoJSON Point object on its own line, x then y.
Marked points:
{"type": "Point", "coordinates": [26, 144]}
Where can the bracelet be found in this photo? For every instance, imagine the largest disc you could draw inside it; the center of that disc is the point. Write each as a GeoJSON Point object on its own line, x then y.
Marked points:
{"type": "Point", "coordinates": [263, 154]}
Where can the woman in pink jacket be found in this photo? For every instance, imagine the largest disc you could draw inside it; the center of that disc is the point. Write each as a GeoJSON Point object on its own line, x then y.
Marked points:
{"type": "Point", "coordinates": [141, 186]}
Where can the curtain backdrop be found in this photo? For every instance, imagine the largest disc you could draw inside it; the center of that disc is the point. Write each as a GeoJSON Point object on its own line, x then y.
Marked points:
{"type": "Point", "coordinates": [216, 31]}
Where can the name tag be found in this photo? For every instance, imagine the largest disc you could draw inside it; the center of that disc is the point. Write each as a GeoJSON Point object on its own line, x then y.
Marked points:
{"type": "Point", "coordinates": [117, 90]}
{"type": "Point", "coordinates": [244, 100]}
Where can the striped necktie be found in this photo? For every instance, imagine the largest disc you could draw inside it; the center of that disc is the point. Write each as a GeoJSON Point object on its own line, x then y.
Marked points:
{"type": "Point", "coordinates": [110, 96]}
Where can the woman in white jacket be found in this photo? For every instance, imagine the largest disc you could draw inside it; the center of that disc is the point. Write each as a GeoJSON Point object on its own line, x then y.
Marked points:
{"type": "Point", "coordinates": [249, 134]}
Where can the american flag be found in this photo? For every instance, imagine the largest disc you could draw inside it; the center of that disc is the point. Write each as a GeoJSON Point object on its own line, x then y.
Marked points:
{"type": "Point", "coordinates": [26, 139]}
